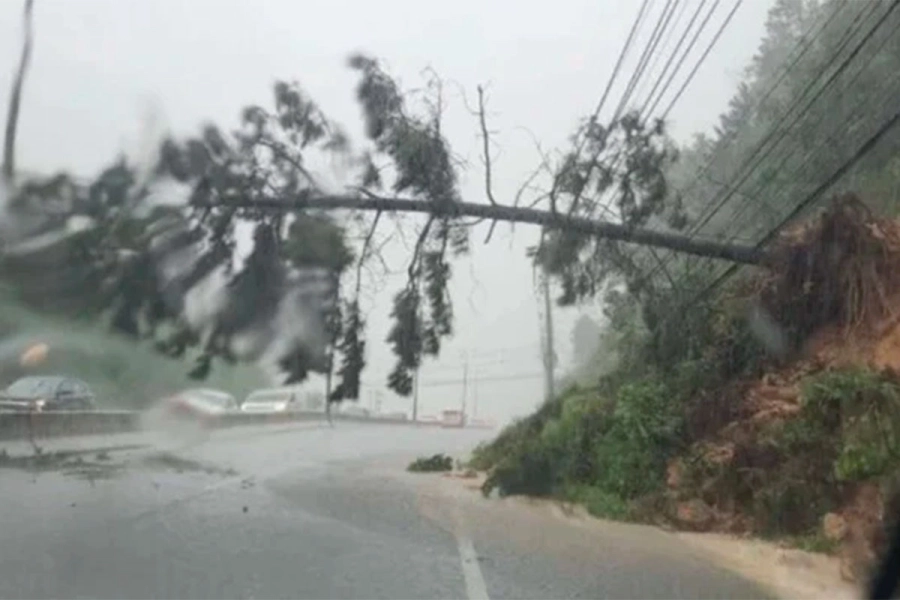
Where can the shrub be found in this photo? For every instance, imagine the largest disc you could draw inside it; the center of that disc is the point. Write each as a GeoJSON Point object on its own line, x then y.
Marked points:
{"type": "Point", "coordinates": [438, 462]}
{"type": "Point", "coordinates": [527, 469]}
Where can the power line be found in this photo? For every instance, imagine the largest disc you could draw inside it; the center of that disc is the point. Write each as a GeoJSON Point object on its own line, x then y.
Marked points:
{"type": "Point", "coordinates": [685, 54]}
{"type": "Point", "coordinates": [655, 37]}
{"type": "Point", "coordinates": [840, 69]}
{"type": "Point", "coordinates": [804, 44]}
{"type": "Point", "coordinates": [715, 39]}
{"type": "Point", "coordinates": [621, 154]}
{"type": "Point", "coordinates": [777, 127]}
{"type": "Point", "coordinates": [652, 43]}
{"type": "Point", "coordinates": [586, 134]}
{"type": "Point", "coordinates": [846, 125]}
{"type": "Point", "coordinates": [665, 46]}
{"type": "Point", "coordinates": [625, 48]}
{"type": "Point", "coordinates": [495, 378]}
{"type": "Point", "coordinates": [672, 56]}
{"type": "Point", "coordinates": [864, 149]}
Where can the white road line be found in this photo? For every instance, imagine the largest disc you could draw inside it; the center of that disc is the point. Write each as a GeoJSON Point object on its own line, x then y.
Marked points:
{"type": "Point", "coordinates": [475, 587]}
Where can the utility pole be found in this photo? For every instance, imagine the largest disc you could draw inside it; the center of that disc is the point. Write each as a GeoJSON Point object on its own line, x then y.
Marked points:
{"type": "Point", "coordinates": [549, 351]}
{"type": "Point", "coordinates": [415, 376]}
{"type": "Point", "coordinates": [465, 385]}
{"type": "Point", "coordinates": [475, 397]}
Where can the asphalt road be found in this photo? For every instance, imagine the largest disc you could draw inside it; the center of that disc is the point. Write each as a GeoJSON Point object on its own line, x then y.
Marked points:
{"type": "Point", "coordinates": [309, 512]}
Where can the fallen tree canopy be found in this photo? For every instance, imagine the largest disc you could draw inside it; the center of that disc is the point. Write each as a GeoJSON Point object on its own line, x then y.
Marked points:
{"type": "Point", "coordinates": [142, 261]}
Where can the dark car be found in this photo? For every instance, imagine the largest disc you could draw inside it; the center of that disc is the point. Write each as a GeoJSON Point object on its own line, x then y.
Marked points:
{"type": "Point", "coordinates": [42, 393]}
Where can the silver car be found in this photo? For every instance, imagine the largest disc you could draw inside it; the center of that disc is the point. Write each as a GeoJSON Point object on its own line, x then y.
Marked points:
{"type": "Point", "coordinates": [47, 392]}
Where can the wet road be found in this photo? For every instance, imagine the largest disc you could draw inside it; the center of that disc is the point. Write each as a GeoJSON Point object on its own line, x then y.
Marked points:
{"type": "Point", "coordinates": [311, 512]}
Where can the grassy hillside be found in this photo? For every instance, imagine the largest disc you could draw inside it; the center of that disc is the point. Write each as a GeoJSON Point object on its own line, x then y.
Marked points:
{"type": "Point", "coordinates": [123, 374]}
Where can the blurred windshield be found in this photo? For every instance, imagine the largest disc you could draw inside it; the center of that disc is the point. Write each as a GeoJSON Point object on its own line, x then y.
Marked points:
{"type": "Point", "coordinates": [635, 261]}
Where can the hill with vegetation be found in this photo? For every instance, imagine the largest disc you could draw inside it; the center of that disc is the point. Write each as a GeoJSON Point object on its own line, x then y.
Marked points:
{"type": "Point", "coordinates": [753, 401]}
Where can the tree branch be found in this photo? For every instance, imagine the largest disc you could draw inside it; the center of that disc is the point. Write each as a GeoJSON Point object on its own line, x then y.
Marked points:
{"type": "Point", "coordinates": [365, 249]}
{"type": "Point", "coordinates": [486, 140]}
{"type": "Point", "coordinates": [15, 98]}
{"type": "Point", "coordinates": [279, 150]}
{"type": "Point", "coordinates": [738, 253]}
{"type": "Point", "coordinates": [413, 270]}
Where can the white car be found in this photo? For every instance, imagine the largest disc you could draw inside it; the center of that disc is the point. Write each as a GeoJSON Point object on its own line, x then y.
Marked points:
{"type": "Point", "coordinates": [203, 403]}
{"type": "Point", "coordinates": [270, 401]}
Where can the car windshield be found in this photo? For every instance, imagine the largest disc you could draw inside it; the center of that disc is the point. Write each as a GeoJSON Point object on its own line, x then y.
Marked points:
{"type": "Point", "coordinates": [634, 260]}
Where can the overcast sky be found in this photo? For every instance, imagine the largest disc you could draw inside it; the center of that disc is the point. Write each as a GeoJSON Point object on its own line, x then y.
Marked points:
{"type": "Point", "coordinates": [99, 66]}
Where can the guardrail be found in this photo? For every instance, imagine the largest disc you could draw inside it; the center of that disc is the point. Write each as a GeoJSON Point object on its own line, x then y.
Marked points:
{"type": "Point", "coordinates": [38, 425]}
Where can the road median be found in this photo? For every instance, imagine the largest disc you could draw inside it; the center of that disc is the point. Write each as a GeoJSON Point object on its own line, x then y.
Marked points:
{"type": "Point", "coordinates": [43, 425]}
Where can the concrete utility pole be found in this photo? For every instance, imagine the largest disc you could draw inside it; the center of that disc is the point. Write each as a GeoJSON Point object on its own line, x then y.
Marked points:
{"type": "Point", "coordinates": [465, 389]}
{"type": "Point", "coordinates": [475, 397]}
{"type": "Point", "coordinates": [549, 349]}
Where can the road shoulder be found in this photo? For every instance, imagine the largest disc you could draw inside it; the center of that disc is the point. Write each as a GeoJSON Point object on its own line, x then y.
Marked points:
{"type": "Point", "coordinates": [784, 572]}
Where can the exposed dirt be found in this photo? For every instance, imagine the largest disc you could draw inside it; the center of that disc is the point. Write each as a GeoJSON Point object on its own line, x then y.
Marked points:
{"type": "Point", "coordinates": [834, 282]}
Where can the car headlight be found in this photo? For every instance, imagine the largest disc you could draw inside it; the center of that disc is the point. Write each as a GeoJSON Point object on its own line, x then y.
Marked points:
{"type": "Point", "coordinates": [39, 404]}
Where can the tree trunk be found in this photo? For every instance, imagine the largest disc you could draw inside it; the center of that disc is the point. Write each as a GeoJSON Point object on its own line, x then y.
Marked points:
{"type": "Point", "coordinates": [15, 99]}
{"type": "Point", "coordinates": [738, 253]}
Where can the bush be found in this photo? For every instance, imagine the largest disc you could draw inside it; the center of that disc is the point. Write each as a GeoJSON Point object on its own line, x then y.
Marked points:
{"type": "Point", "coordinates": [615, 448]}
{"type": "Point", "coordinates": [438, 462]}
{"type": "Point", "coordinates": [539, 454]}
{"type": "Point", "coordinates": [527, 469]}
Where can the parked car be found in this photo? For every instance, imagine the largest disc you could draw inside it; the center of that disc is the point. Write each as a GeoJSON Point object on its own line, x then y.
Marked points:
{"type": "Point", "coordinates": [47, 392]}
{"type": "Point", "coordinates": [203, 403]}
{"type": "Point", "coordinates": [453, 418]}
{"type": "Point", "coordinates": [270, 400]}
{"type": "Point", "coordinates": [352, 410]}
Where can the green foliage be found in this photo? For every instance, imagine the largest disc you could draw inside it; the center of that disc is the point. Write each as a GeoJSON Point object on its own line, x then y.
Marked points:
{"type": "Point", "coordinates": [121, 268]}
{"type": "Point", "coordinates": [424, 164]}
{"type": "Point", "coordinates": [435, 463]}
{"type": "Point", "coordinates": [613, 451]}
{"type": "Point", "coordinates": [352, 347]}
{"type": "Point", "coordinates": [623, 165]}
{"type": "Point", "coordinates": [599, 503]}
{"type": "Point", "coordinates": [317, 241]}
{"type": "Point", "coordinates": [862, 409]}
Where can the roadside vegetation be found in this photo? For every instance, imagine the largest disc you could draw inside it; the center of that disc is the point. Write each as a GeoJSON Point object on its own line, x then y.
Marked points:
{"type": "Point", "coordinates": [733, 399]}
